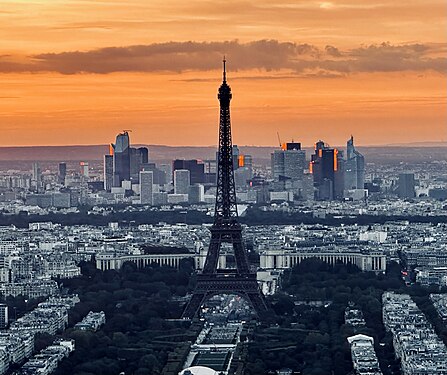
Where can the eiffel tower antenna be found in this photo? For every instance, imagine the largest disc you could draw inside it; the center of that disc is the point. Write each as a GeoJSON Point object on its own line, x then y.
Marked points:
{"type": "Point", "coordinates": [224, 70]}
{"type": "Point", "coordinates": [226, 228]}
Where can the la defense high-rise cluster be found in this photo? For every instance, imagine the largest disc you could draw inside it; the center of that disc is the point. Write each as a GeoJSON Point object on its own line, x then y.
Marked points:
{"type": "Point", "coordinates": [334, 176]}
{"type": "Point", "coordinates": [124, 163]}
{"type": "Point", "coordinates": [329, 176]}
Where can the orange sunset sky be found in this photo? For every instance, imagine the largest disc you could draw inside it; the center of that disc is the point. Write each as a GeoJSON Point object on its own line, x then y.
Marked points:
{"type": "Point", "coordinates": [80, 71]}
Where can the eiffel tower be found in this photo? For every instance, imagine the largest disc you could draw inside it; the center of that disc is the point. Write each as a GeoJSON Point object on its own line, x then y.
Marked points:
{"type": "Point", "coordinates": [225, 229]}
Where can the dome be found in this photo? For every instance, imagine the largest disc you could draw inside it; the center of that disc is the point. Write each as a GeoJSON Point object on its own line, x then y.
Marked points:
{"type": "Point", "coordinates": [198, 370]}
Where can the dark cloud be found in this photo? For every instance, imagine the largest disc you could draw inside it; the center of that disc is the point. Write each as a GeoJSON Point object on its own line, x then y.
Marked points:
{"type": "Point", "coordinates": [268, 55]}
{"type": "Point", "coordinates": [332, 51]}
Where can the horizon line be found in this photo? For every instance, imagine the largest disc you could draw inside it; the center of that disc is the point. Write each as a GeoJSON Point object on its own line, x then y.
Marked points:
{"type": "Point", "coordinates": [403, 144]}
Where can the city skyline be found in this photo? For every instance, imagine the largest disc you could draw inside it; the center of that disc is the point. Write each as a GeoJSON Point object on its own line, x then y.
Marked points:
{"type": "Point", "coordinates": [224, 264]}
{"type": "Point", "coordinates": [308, 70]}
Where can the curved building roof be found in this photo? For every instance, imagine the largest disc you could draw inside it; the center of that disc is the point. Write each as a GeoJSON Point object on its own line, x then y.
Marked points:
{"type": "Point", "coordinates": [199, 370]}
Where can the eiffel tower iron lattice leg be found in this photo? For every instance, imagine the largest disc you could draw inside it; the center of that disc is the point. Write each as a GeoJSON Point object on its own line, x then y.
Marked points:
{"type": "Point", "coordinates": [212, 281]}
{"type": "Point", "coordinates": [226, 229]}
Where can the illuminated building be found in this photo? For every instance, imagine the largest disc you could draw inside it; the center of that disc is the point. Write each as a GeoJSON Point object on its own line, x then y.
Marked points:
{"type": "Point", "coordinates": [327, 167]}
{"type": "Point", "coordinates": [288, 166]}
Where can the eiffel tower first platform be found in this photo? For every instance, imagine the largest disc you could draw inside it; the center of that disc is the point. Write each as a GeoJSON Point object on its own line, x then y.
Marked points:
{"type": "Point", "coordinates": [226, 229]}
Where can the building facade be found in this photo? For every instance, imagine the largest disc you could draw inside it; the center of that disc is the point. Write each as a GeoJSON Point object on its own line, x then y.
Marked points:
{"type": "Point", "coordinates": [327, 167]}
{"type": "Point", "coordinates": [285, 258]}
{"type": "Point", "coordinates": [354, 168]}
{"type": "Point", "coordinates": [146, 187]}
{"type": "Point", "coordinates": [182, 181]}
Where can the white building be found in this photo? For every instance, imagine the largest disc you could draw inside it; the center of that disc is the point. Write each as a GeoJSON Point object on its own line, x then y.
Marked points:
{"type": "Point", "coordinates": [364, 358]}
{"type": "Point", "coordinates": [287, 258]}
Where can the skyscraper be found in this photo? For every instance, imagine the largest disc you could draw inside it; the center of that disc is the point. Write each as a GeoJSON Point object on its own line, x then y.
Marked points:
{"type": "Point", "coordinates": [84, 169]}
{"type": "Point", "coordinates": [244, 173]}
{"type": "Point", "coordinates": [328, 171]}
{"type": "Point", "coordinates": [242, 177]}
{"type": "Point", "coordinates": [182, 181]}
{"type": "Point", "coordinates": [247, 163]}
{"type": "Point", "coordinates": [354, 168]}
{"type": "Point", "coordinates": [138, 158]}
{"type": "Point", "coordinates": [159, 174]}
{"type": "Point", "coordinates": [167, 170]}
{"type": "Point", "coordinates": [406, 185]}
{"type": "Point", "coordinates": [146, 187]}
{"type": "Point", "coordinates": [127, 161]}
{"type": "Point", "coordinates": [288, 163]}
{"type": "Point", "coordinates": [36, 179]}
{"type": "Point", "coordinates": [108, 172]}
{"type": "Point", "coordinates": [210, 170]}
{"type": "Point", "coordinates": [339, 175]}
{"type": "Point", "coordinates": [288, 166]}
{"type": "Point", "coordinates": [236, 154]}
{"type": "Point", "coordinates": [62, 173]}
{"type": "Point", "coordinates": [195, 168]}
{"type": "Point", "coordinates": [121, 159]}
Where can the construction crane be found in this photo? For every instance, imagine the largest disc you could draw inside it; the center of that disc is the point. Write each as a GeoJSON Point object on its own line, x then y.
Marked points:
{"type": "Point", "coordinates": [282, 146]}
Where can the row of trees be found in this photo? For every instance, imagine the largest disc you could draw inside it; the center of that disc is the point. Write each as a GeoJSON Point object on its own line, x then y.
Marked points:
{"type": "Point", "coordinates": [138, 335]}
{"type": "Point", "coordinates": [253, 216]}
{"type": "Point", "coordinates": [300, 333]}
{"type": "Point", "coordinates": [22, 220]}
{"type": "Point", "coordinates": [311, 335]}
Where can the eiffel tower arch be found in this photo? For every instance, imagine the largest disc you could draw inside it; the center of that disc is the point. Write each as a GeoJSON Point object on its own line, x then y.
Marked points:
{"type": "Point", "coordinates": [226, 229]}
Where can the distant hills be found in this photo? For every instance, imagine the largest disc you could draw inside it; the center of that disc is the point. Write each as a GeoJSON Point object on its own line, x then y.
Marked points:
{"type": "Point", "coordinates": [261, 155]}
{"type": "Point", "coordinates": [418, 144]}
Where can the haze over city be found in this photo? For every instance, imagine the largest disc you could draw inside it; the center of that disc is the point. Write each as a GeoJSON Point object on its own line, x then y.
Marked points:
{"type": "Point", "coordinates": [79, 71]}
